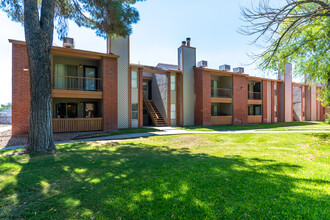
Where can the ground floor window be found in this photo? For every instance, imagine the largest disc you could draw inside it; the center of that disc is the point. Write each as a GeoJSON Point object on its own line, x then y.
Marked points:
{"type": "Point", "coordinates": [90, 110]}
{"type": "Point", "coordinates": [173, 112]}
{"type": "Point", "coordinates": [254, 109]}
{"type": "Point", "coordinates": [221, 109]}
{"type": "Point", "coordinates": [135, 111]}
{"type": "Point", "coordinates": [66, 110]}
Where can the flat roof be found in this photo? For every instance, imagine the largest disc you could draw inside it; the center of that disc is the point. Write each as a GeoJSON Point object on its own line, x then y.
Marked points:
{"type": "Point", "coordinates": [72, 51]}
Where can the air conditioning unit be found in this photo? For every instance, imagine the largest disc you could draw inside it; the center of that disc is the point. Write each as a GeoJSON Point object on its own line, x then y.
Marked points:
{"type": "Point", "coordinates": [224, 67]}
{"type": "Point", "coordinates": [68, 42]}
{"type": "Point", "coordinates": [202, 64]}
{"type": "Point", "coordinates": [238, 70]}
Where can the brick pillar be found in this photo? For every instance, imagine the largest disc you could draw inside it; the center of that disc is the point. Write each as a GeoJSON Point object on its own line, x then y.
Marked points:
{"type": "Point", "coordinates": [168, 99]}
{"type": "Point", "coordinates": [273, 101]}
{"type": "Point", "coordinates": [110, 93]}
{"type": "Point", "coordinates": [202, 86]}
{"type": "Point", "coordinates": [264, 101]}
{"type": "Point", "coordinates": [20, 90]}
{"type": "Point", "coordinates": [279, 102]}
{"type": "Point", "coordinates": [140, 87]}
{"type": "Point", "coordinates": [240, 100]}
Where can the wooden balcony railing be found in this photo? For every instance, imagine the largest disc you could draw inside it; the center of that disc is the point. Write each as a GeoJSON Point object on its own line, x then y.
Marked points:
{"type": "Point", "coordinates": [255, 95]}
{"type": "Point", "coordinates": [221, 93]}
{"type": "Point", "coordinates": [77, 124]}
{"type": "Point", "coordinates": [77, 83]}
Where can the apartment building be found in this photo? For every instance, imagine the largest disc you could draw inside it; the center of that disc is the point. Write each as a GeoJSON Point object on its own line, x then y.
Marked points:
{"type": "Point", "coordinates": [103, 91]}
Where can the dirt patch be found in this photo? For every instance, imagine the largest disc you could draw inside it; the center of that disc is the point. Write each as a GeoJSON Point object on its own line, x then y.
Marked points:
{"type": "Point", "coordinates": [7, 140]}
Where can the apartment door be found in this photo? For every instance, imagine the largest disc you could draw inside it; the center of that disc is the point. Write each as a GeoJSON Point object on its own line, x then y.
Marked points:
{"type": "Point", "coordinates": [90, 75]}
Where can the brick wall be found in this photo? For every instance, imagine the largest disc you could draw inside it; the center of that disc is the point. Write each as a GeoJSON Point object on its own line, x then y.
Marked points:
{"type": "Point", "coordinates": [279, 102]}
{"type": "Point", "coordinates": [20, 90]}
{"type": "Point", "coordinates": [264, 101]}
{"type": "Point", "coordinates": [110, 93]}
{"type": "Point", "coordinates": [240, 100]}
{"type": "Point", "coordinates": [202, 88]}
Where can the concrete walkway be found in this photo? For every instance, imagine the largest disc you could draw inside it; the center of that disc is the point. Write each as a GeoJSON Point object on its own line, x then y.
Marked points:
{"type": "Point", "coordinates": [169, 131]}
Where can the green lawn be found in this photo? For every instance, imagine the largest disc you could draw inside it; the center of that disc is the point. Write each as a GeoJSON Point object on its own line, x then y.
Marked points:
{"type": "Point", "coordinates": [278, 126]}
{"type": "Point", "coordinates": [121, 131]}
{"type": "Point", "coordinates": [235, 176]}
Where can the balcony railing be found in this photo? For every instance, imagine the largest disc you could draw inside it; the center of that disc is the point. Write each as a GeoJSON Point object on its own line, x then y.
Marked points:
{"type": "Point", "coordinates": [221, 93]}
{"type": "Point", "coordinates": [255, 95]}
{"type": "Point", "coordinates": [77, 83]}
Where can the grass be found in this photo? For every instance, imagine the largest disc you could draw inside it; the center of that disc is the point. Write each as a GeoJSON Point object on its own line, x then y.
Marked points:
{"type": "Point", "coordinates": [277, 126]}
{"type": "Point", "coordinates": [245, 176]}
{"type": "Point", "coordinates": [318, 126]}
{"type": "Point", "coordinates": [119, 132]}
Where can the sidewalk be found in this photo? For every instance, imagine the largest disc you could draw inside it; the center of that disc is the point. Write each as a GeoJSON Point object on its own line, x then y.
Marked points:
{"type": "Point", "coordinates": [167, 131]}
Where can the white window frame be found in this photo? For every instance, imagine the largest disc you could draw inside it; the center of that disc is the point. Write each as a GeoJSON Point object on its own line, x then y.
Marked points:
{"type": "Point", "coordinates": [134, 79]}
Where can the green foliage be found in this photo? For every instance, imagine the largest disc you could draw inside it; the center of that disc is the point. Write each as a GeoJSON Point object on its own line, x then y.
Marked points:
{"type": "Point", "coordinates": [327, 121]}
{"type": "Point", "coordinates": [107, 17]}
{"type": "Point", "coordinates": [5, 106]}
{"type": "Point", "coordinates": [295, 31]}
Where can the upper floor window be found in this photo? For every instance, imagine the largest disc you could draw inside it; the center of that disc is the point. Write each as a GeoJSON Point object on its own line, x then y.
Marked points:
{"type": "Point", "coordinates": [134, 79]}
{"type": "Point", "coordinates": [173, 81]}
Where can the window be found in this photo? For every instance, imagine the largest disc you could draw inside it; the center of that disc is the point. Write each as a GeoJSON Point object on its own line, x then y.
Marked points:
{"type": "Point", "coordinates": [275, 92]}
{"type": "Point", "coordinates": [90, 110]}
{"type": "Point", "coordinates": [134, 79]}
{"type": "Point", "coordinates": [90, 72]}
{"type": "Point", "coordinates": [173, 112]}
{"type": "Point", "coordinates": [221, 109]}
{"type": "Point", "coordinates": [135, 111]}
{"type": "Point", "coordinates": [276, 111]}
{"type": "Point", "coordinates": [66, 110]}
{"type": "Point", "coordinates": [254, 109]}
{"type": "Point", "coordinates": [61, 81]}
{"type": "Point", "coordinates": [215, 110]}
{"type": "Point", "coordinates": [173, 87]}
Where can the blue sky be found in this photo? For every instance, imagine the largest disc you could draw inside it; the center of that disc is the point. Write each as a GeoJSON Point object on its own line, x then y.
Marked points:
{"type": "Point", "coordinates": [212, 25]}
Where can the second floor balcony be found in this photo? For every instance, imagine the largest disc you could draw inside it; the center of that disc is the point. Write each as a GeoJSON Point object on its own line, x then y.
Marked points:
{"type": "Point", "coordinates": [77, 83]}
{"type": "Point", "coordinates": [255, 95]}
{"type": "Point", "coordinates": [221, 93]}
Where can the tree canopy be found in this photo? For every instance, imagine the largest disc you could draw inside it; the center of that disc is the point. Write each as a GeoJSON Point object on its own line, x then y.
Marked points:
{"type": "Point", "coordinates": [297, 31]}
{"type": "Point", "coordinates": [106, 17]}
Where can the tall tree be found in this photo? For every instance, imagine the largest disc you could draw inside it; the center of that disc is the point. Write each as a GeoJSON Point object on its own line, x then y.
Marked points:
{"type": "Point", "coordinates": [108, 17]}
{"type": "Point", "coordinates": [296, 31]}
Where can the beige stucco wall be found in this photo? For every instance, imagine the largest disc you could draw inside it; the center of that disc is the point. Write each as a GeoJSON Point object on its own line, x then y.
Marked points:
{"type": "Point", "coordinates": [288, 93]}
{"type": "Point", "coordinates": [120, 46]}
{"type": "Point", "coordinates": [188, 62]}
{"type": "Point", "coordinates": [313, 103]}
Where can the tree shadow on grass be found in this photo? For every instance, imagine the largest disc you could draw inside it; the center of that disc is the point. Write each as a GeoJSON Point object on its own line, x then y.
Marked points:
{"type": "Point", "coordinates": [143, 181]}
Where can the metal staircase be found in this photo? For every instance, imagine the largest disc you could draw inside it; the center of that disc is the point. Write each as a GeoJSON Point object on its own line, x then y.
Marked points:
{"type": "Point", "coordinates": [153, 112]}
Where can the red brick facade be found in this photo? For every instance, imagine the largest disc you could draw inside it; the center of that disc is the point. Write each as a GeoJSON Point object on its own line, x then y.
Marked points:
{"type": "Point", "coordinates": [21, 90]}
{"type": "Point", "coordinates": [273, 101]}
{"type": "Point", "coordinates": [264, 101]}
{"type": "Point", "coordinates": [278, 102]}
{"type": "Point", "coordinates": [202, 98]}
{"type": "Point", "coordinates": [110, 93]}
{"type": "Point", "coordinates": [240, 100]}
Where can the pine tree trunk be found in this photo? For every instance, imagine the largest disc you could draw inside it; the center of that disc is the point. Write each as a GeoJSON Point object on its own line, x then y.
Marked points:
{"type": "Point", "coordinates": [39, 40]}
